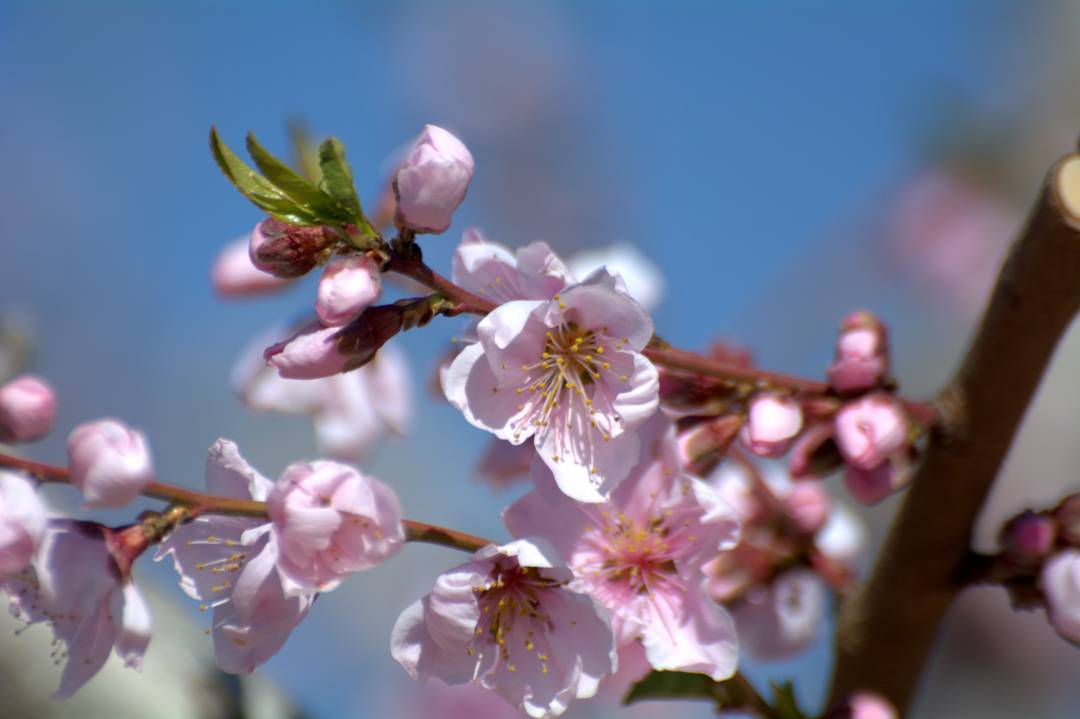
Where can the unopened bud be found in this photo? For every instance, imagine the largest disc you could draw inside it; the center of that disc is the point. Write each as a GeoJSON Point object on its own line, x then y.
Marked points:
{"type": "Point", "coordinates": [347, 286]}
{"type": "Point", "coordinates": [362, 338]}
{"type": "Point", "coordinates": [432, 181]}
{"type": "Point", "coordinates": [703, 446]}
{"type": "Point", "coordinates": [864, 705]}
{"type": "Point", "coordinates": [870, 486]}
{"type": "Point", "coordinates": [814, 453]}
{"type": "Point", "coordinates": [773, 422]}
{"type": "Point", "coordinates": [109, 462]}
{"type": "Point", "coordinates": [1029, 538]}
{"type": "Point", "coordinates": [286, 250]}
{"type": "Point", "coordinates": [870, 430]}
{"type": "Point", "coordinates": [27, 409]}
{"type": "Point", "coordinates": [862, 356]}
{"type": "Point", "coordinates": [312, 353]}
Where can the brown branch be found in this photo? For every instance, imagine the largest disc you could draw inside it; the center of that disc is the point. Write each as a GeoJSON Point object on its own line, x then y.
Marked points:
{"type": "Point", "coordinates": [199, 503]}
{"type": "Point", "coordinates": [887, 630]}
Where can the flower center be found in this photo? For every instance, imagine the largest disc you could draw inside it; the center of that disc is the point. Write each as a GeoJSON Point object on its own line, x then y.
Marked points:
{"type": "Point", "coordinates": [637, 556]}
{"type": "Point", "coordinates": [511, 614]}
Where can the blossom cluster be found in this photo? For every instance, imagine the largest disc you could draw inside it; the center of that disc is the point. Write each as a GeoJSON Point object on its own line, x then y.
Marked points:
{"type": "Point", "coordinates": [660, 529]}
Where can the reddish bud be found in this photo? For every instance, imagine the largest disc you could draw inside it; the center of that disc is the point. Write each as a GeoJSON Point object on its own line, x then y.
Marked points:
{"type": "Point", "coordinates": [1029, 538]}
{"type": "Point", "coordinates": [286, 250]}
{"type": "Point", "coordinates": [703, 446]}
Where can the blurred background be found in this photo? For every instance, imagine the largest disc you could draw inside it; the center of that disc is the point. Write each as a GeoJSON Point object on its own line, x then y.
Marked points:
{"type": "Point", "coordinates": [781, 163]}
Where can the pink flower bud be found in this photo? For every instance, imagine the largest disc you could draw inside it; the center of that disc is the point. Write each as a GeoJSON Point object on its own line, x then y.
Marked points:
{"type": "Point", "coordinates": [22, 522]}
{"type": "Point", "coordinates": [870, 430]}
{"type": "Point", "coordinates": [347, 287]}
{"type": "Point", "coordinates": [233, 275]}
{"type": "Point", "coordinates": [870, 486]}
{"type": "Point", "coordinates": [432, 181]}
{"type": "Point", "coordinates": [773, 421]}
{"type": "Point", "coordinates": [1029, 538]}
{"type": "Point", "coordinates": [861, 354]}
{"type": "Point", "coordinates": [1061, 588]}
{"type": "Point", "coordinates": [289, 251]}
{"type": "Point", "coordinates": [311, 353]}
{"type": "Point", "coordinates": [807, 506]}
{"type": "Point", "coordinates": [330, 520]}
{"type": "Point", "coordinates": [814, 454]}
{"type": "Point", "coordinates": [27, 409]}
{"type": "Point", "coordinates": [109, 462]}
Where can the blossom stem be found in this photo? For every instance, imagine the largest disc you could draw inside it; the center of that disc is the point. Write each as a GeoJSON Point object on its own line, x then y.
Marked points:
{"type": "Point", "coordinates": [198, 503]}
{"type": "Point", "coordinates": [407, 261]}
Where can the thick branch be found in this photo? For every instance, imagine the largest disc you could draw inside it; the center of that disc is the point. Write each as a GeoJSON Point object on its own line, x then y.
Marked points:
{"type": "Point", "coordinates": [887, 630]}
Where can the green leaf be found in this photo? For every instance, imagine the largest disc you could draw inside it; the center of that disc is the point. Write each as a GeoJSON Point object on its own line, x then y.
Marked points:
{"type": "Point", "coordinates": [784, 703]}
{"type": "Point", "coordinates": [337, 181]}
{"type": "Point", "coordinates": [260, 191]}
{"type": "Point", "coordinates": [298, 188]}
{"type": "Point", "coordinates": [680, 685]}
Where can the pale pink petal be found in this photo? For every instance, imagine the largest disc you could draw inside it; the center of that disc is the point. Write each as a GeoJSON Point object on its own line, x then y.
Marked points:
{"type": "Point", "coordinates": [234, 276]}
{"type": "Point", "coordinates": [694, 635]}
{"type": "Point", "coordinates": [347, 286]}
{"type": "Point", "coordinates": [109, 462]}
{"type": "Point", "coordinates": [1060, 583]}
{"type": "Point", "coordinates": [312, 353]}
{"type": "Point", "coordinates": [27, 409]}
{"type": "Point", "coordinates": [782, 619]}
{"type": "Point", "coordinates": [643, 279]}
{"type": "Point", "coordinates": [22, 522]}
{"type": "Point", "coordinates": [133, 632]}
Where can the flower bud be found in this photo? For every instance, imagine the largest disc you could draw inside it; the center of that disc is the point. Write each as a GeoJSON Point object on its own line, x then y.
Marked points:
{"type": "Point", "coordinates": [870, 486]}
{"type": "Point", "coordinates": [862, 358]}
{"type": "Point", "coordinates": [22, 522]}
{"type": "Point", "coordinates": [286, 250]}
{"type": "Point", "coordinates": [1028, 538]}
{"type": "Point", "coordinates": [330, 520]}
{"type": "Point", "coordinates": [807, 506]}
{"type": "Point", "coordinates": [432, 181]}
{"type": "Point", "coordinates": [362, 338]}
{"type": "Point", "coordinates": [311, 353]}
{"type": "Point", "coordinates": [703, 446]}
{"type": "Point", "coordinates": [347, 286]}
{"type": "Point", "coordinates": [27, 409]}
{"type": "Point", "coordinates": [1060, 581]}
{"type": "Point", "coordinates": [870, 430]}
{"type": "Point", "coordinates": [109, 462]}
{"type": "Point", "coordinates": [233, 275]}
{"type": "Point", "coordinates": [814, 453]}
{"type": "Point", "coordinates": [773, 421]}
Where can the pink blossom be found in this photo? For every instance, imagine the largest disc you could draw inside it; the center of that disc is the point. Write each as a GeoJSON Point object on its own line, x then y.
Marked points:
{"type": "Point", "coordinates": [1061, 587]}
{"type": "Point", "coordinates": [567, 372]}
{"type": "Point", "coordinates": [773, 422]}
{"type": "Point", "coordinates": [507, 621]}
{"type": "Point", "coordinates": [870, 486]}
{"type": "Point", "coordinates": [432, 181]}
{"type": "Point", "coordinates": [641, 555]}
{"type": "Point", "coordinates": [27, 409]}
{"type": "Point", "coordinates": [22, 522]}
{"type": "Point", "coordinates": [351, 412]}
{"type": "Point", "coordinates": [76, 585]}
{"type": "Point", "coordinates": [330, 521]}
{"type": "Point", "coordinates": [233, 275]}
{"type": "Point", "coordinates": [491, 271]}
{"type": "Point", "coordinates": [347, 286]}
{"type": "Point", "coordinates": [229, 564]}
{"type": "Point", "coordinates": [109, 462]}
{"type": "Point", "coordinates": [862, 359]}
{"type": "Point", "coordinates": [870, 430]}
{"type": "Point", "coordinates": [311, 353]}
{"type": "Point", "coordinates": [782, 618]}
